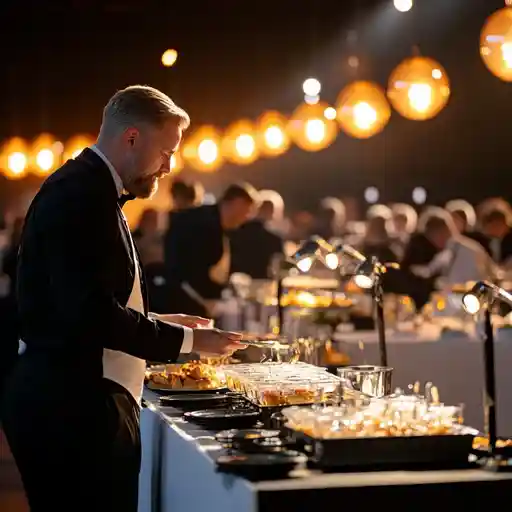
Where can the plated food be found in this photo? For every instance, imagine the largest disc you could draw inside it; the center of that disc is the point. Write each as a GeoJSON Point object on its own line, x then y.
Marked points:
{"type": "Point", "coordinates": [189, 376]}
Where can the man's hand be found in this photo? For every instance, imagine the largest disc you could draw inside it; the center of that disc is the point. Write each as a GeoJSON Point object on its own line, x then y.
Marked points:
{"type": "Point", "coordinates": [214, 342]}
{"type": "Point", "coordinates": [185, 320]}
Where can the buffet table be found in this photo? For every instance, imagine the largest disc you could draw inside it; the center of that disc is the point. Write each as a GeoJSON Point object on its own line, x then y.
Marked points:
{"type": "Point", "coordinates": [452, 361]}
{"type": "Point", "coordinates": [179, 475]}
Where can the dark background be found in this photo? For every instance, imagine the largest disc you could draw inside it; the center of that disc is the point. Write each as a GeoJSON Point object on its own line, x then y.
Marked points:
{"type": "Point", "coordinates": [61, 61]}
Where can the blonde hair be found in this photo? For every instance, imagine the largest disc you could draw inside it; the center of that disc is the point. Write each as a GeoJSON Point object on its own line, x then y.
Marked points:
{"type": "Point", "coordinates": [141, 104]}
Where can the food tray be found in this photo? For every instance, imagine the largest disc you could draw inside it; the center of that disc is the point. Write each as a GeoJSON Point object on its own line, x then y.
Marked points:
{"type": "Point", "coordinates": [281, 384]}
{"type": "Point", "coordinates": [386, 453]}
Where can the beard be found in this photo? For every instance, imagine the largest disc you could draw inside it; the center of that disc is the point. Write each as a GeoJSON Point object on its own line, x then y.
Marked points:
{"type": "Point", "coordinates": [142, 184]}
{"type": "Point", "coordinates": [144, 187]}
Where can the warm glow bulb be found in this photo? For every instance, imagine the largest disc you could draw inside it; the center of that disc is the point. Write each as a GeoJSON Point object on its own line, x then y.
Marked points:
{"type": "Point", "coordinates": [207, 151]}
{"type": "Point", "coordinates": [420, 97]}
{"type": "Point", "coordinates": [270, 134]}
{"type": "Point", "coordinates": [315, 130]}
{"type": "Point", "coordinates": [245, 145]}
{"type": "Point", "coordinates": [330, 113]}
{"type": "Point", "coordinates": [274, 137]}
{"type": "Point", "coordinates": [172, 163]}
{"type": "Point", "coordinates": [362, 109]}
{"type": "Point", "coordinates": [496, 43]}
{"type": "Point", "coordinates": [419, 88]}
{"type": "Point", "coordinates": [310, 129]}
{"type": "Point", "coordinates": [365, 116]}
{"type": "Point", "coordinates": [17, 162]}
{"type": "Point", "coordinates": [169, 58]}
{"type": "Point", "coordinates": [403, 5]}
{"type": "Point", "coordinates": [311, 87]}
{"type": "Point", "coordinates": [45, 159]}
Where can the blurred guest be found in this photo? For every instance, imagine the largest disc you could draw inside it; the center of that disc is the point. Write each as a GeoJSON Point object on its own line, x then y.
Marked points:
{"type": "Point", "coordinates": [330, 218]}
{"type": "Point", "coordinates": [404, 221]}
{"type": "Point", "coordinates": [197, 250]}
{"type": "Point", "coordinates": [420, 251]}
{"type": "Point", "coordinates": [497, 235]}
{"type": "Point", "coordinates": [274, 220]}
{"type": "Point", "coordinates": [148, 238]}
{"type": "Point", "coordinates": [302, 225]}
{"type": "Point", "coordinates": [254, 244]}
{"type": "Point", "coordinates": [461, 259]}
{"type": "Point", "coordinates": [490, 204]}
{"type": "Point", "coordinates": [185, 195]}
{"type": "Point", "coordinates": [377, 241]}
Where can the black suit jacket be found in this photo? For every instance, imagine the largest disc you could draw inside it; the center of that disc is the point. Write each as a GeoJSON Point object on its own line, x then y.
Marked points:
{"type": "Point", "coordinates": [252, 249]}
{"type": "Point", "coordinates": [75, 276]}
{"type": "Point", "coordinates": [194, 243]}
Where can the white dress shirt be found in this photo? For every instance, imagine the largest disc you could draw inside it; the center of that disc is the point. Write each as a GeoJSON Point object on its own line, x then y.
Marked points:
{"type": "Point", "coordinates": [127, 370]}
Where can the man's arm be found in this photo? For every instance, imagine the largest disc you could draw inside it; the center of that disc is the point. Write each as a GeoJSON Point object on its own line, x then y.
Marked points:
{"type": "Point", "coordinates": [78, 231]}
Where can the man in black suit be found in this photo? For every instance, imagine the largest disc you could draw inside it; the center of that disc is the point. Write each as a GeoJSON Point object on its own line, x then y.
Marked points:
{"type": "Point", "coordinates": [254, 245]}
{"type": "Point", "coordinates": [197, 252]}
{"type": "Point", "coordinates": [72, 404]}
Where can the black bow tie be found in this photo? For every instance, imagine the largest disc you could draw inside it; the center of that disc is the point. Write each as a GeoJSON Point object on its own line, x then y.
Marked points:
{"type": "Point", "coordinates": [125, 197]}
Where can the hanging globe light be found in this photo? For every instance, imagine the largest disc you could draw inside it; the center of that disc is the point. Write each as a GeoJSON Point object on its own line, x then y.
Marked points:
{"type": "Point", "coordinates": [14, 158]}
{"type": "Point", "coordinates": [310, 129]}
{"type": "Point", "coordinates": [496, 44]}
{"type": "Point", "coordinates": [362, 109]}
{"type": "Point", "coordinates": [239, 143]}
{"type": "Point", "coordinates": [202, 149]}
{"type": "Point", "coordinates": [271, 135]}
{"type": "Point", "coordinates": [419, 88]}
{"type": "Point", "coordinates": [45, 154]}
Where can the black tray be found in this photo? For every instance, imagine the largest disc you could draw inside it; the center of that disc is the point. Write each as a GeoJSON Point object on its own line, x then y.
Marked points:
{"type": "Point", "coordinates": [261, 466]}
{"type": "Point", "coordinates": [224, 418]}
{"type": "Point", "coordinates": [162, 390]}
{"type": "Point", "coordinates": [386, 453]}
{"type": "Point", "coordinates": [195, 401]}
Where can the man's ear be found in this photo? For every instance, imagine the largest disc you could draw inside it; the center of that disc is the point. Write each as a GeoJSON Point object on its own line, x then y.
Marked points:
{"type": "Point", "coordinates": [130, 135]}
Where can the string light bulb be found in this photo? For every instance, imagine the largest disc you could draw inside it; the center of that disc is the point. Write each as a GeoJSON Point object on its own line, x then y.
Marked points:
{"type": "Point", "coordinates": [239, 143]}
{"type": "Point", "coordinates": [419, 88]}
{"type": "Point", "coordinates": [496, 44]}
{"type": "Point", "coordinates": [363, 110]}
{"type": "Point", "coordinates": [202, 149]}
{"type": "Point", "coordinates": [44, 154]}
{"type": "Point", "coordinates": [14, 159]}
{"type": "Point", "coordinates": [271, 136]}
{"type": "Point", "coordinates": [309, 128]}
